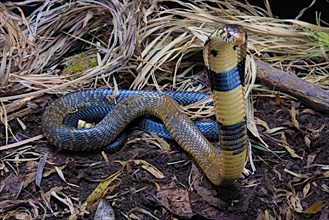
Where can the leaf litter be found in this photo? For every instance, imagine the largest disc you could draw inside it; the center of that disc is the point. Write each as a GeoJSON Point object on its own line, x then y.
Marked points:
{"type": "Point", "coordinates": [291, 176]}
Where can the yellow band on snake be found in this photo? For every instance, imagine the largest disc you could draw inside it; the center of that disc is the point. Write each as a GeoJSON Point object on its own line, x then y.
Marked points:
{"type": "Point", "coordinates": [224, 55]}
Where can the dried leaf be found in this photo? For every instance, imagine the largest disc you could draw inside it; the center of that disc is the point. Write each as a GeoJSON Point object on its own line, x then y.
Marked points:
{"type": "Point", "coordinates": [29, 178]}
{"type": "Point", "coordinates": [141, 210]}
{"type": "Point", "coordinates": [163, 143]}
{"type": "Point", "coordinates": [293, 114]}
{"type": "Point", "coordinates": [294, 202]}
{"type": "Point", "coordinates": [315, 207]}
{"type": "Point", "coordinates": [176, 199]}
{"type": "Point", "coordinates": [288, 148]}
{"type": "Point", "coordinates": [41, 166]}
{"type": "Point", "coordinates": [66, 200]}
{"type": "Point", "coordinates": [274, 130]}
{"type": "Point", "coordinates": [307, 142]}
{"type": "Point", "coordinates": [310, 160]}
{"type": "Point", "coordinates": [262, 123]}
{"type": "Point", "coordinates": [308, 111]}
{"type": "Point", "coordinates": [208, 195]}
{"type": "Point", "coordinates": [293, 173]}
{"type": "Point", "coordinates": [325, 188]}
{"type": "Point", "coordinates": [102, 188]}
{"type": "Point", "coordinates": [306, 189]}
{"type": "Point", "coordinates": [23, 126]}
{"type": "Point", "coordinates": [10, 187]}
{"type": "Point", "coordinates": [104, 211]}
{"type": "Point", "coordinates": [150, 168]}
{"type": "Point", "coordinates": [326, 174]}
{"type": "Point", "coordinates": [47, 195]}
{"type": "Point", "coordinates": [61, 175]}
{"type": "Point", "coordinates": [52, 170]}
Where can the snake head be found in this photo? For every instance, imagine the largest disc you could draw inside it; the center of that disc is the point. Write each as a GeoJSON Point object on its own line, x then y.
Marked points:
{"type": "Point", "coordinates": [233, 34]}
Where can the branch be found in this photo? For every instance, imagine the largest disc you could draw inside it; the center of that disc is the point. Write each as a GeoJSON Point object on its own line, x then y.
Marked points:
{"type": "Point", "coordinates": [308, 93]}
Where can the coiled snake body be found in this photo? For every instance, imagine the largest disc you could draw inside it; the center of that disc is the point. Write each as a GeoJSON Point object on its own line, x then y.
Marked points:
{"type": "Point", "coordinates": [224, 55]}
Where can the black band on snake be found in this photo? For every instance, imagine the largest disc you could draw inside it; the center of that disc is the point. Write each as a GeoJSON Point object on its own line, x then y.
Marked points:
{"type": "Point", "coordinates": [224, 55]}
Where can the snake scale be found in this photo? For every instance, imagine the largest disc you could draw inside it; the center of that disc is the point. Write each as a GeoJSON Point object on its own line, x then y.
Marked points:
{"type": "Point", "coordinates": [224, 55]}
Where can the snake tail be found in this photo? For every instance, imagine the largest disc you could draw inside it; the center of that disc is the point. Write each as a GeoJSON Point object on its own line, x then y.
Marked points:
{"type": "Point", "coordinates": [224, 55]}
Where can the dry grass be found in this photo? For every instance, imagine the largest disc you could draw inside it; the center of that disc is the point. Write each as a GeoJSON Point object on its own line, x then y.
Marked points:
{"type": "Point", "coordinates": [159, 46]}
{"type": "Point", "coordinates": [146, 39]}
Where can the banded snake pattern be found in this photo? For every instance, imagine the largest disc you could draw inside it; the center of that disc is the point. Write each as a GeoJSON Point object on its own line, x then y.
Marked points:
{"type": "Point", "coordinates": [224, 55]}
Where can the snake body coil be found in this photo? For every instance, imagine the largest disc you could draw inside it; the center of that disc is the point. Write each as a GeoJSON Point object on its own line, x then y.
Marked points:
{"type": "Point", "coordinates": [224, 56]}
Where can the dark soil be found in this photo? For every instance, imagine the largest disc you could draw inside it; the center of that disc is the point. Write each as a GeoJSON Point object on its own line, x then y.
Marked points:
{"type": "Point", "coordinates": [277, 189]}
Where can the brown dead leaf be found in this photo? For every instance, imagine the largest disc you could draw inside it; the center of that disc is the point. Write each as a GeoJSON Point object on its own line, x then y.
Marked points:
{"type": "Point", "coordinates": [310, 160]}
{"type": "Point", "coordinates": [103, 189]}
{"type": "Point", "coordinates": [307, 142]}
{"type": "Point", "coordinates": [315, 207]}
{"type": "Point", "coordinates": [326, 174]}
{"type": "Point", "coordinates": [52, 170]}
{"type": "Point", "coordinates": [11, 187]}
{"type": "Point", "coordinates": [163, 143]}
{"type": "Point", "coordinates": [279, 100]}
{"type": "Point", "coordinates": [265, 216]}
{"type": "Point", "coordinates": [6, 205]}
{"type": "Point", "coordinates": [308, 111]}
{"type": "Point", "coordinates": [262, 123]}
{"type": "Point", "coordinates": [31, 165]}
{"type": "Point", "coordinates": [208, 195]}
{"type": "Point", "coordinates": [294, 202]}
{"type": "Point", "coordinates": [150, 168]}
{"type": "Point", "coordinates": [317, 131]}
{"type": "Point", "coordinates": [306, 189]}
{"type": "Point", "coordinates": [293, 114]}
{"type": "Point", "coordinates": [175, 199]}
{"type": "Point", "coordinates": [47, 195]}
{"type": "Point", "coordinates": [29, 178]}
{"type": "Point", "coordinates": [288, 148]}
{"type": "Point", "coordinates": [210, 213]}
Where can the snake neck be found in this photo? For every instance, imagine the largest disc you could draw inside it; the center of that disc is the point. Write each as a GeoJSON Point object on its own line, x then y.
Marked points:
{"type": "Point", "coordinates": [225, 62]}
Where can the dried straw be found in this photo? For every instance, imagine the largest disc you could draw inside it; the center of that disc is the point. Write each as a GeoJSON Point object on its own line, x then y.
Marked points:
{"type": "Point", "coordinates": [145, 38]}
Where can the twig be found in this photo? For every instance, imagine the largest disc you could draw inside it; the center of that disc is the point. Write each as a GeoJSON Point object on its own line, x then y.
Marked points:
{"type": "Point", "coordinates": [308, 93]}
{"type": "Point", "coordinates": [17, 144]}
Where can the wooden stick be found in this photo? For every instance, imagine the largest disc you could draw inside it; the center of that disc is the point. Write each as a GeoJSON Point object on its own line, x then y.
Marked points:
{"type": "Point", "coordinates": [308, 93]}
{"type": "Point", "coordinates": [20, 143]}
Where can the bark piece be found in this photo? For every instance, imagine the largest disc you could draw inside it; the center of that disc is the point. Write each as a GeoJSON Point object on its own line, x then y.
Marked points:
{"type": "Point", "coordinates": [308, 93]}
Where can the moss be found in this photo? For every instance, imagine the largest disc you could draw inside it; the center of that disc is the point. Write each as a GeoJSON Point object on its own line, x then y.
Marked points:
{"type": "Point", "coordinates": [79, 63]}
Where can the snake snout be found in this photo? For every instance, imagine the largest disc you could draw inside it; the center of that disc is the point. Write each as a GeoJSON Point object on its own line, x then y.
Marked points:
{"type": "Point", "coordinates": [234, 34]}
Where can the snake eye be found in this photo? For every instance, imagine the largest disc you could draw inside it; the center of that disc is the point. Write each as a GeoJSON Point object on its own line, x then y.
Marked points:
{"type": "Point", "coordinates": [213, 52]}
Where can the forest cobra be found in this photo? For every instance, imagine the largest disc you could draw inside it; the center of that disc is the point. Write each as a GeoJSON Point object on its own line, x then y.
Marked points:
{"type": "Point", "coordinates": [224, 55]}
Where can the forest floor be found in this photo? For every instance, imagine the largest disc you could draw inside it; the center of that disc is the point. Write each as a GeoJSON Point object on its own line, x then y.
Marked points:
{"type": "Point", "coordinates": [290, 181]}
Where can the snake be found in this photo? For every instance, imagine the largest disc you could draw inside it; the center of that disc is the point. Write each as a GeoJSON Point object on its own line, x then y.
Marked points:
{"type": "Point", "coordinates": [224, 55]}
